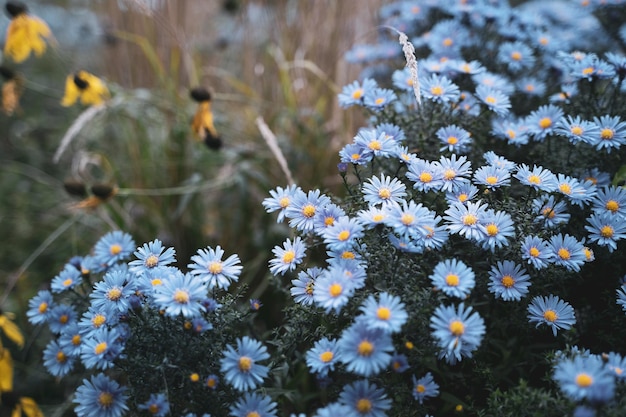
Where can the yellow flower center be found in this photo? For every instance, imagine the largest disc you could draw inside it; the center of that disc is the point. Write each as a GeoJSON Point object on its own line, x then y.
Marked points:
{"type": "Point", "coordinates": [308, 210]}
{"type": "Point", "coordinates": [153, 408]}
{"type": "Point", "coordinates": [379, 101]}
{"type": "Point", "coordinates": [436, 90]}
{"type": "Point", "coordinates": [253, 414]}
{"type": "Point", "coordinates": [564, 254]}
{"type": "Point", "coordinates": [215, 267]}
{"type": "Point", "coordinates": [565, 188]}
{"type": "Point", "coordinates": [289, 256]}
{"type": "Point", "coordinates": [100, 348]}
{"type": "Point", "coordinates": [507, 281]}
{"type": "Point", "coordinates": [152, 261]}
{"type": "Point", "coordinates": [407, 219]}
{"type": "Point", "coordinates": [211, 382]}
{"type": "Point", "coordinates": [105, 399]}
{"type": "Point", "coordinates": [576, 130]}
{"type": "Point", "coordinates": [548, 212]}
{"type": "Point", "coordinates": [606, 133]}
{"type": "Point", "coordinates": [588, 70]}
{"type": "Point", "coordinates": [384, 193]}
{"type": "Point", "coordinates": [491, 100]}
{"type": "Point", "coordinates": [606, 231]}
{"type": "Point", "coordinates": [364, 406]}
{"type": "Point", "coordinates": [534, 252]}
{"type": "Point", "coordinates": [245, 363]}
{"type": "Point", "coordinates": [452, 140]}
{"type": "Point", "coordinates": [463, 197]}
{"type": "Point", "coordinates": [383, 313]}
{"type": "Point", "coordinates": [181, 296]}
{"type": "Point", "coordinates": [511, 133]}
{"type": "Point", "coordinates": [308, 288]}
{"type": "Point", "coordinates": [516, 56]}
{"type": "Point", "coordinates": [534, 179]}
{"type": "Point", "coordinates": [420, 388]}
{"type": "Point", "coordinates": [284, 202]}
{"type": "Point", "coordinates": [355, 156]}
{"type": "Point", "coordinates": [43, 307]}
{"type": "Point", "coordinates": [491, 180]}
{"type": "Point", "coordinates": [409, 345]}
{"type": "Point", "coordinates": [335, 290]}
{"type": "Point", "coordinates": [68, 282]}
{"type": "Point", "coordinates": [98, 320]}
{"type": "Point", "coordinates": [76, 340]}
{"type": "Point", "coordinates": [194, 377]}
{"type": "Point", "coordinates": [348, 255]}
{"type": "Point", "coordinates": [452, 280]}
{"type": "Point", "coordinates": [457, 328]}
{"type": "Point", "coordinates": [357, 94]}
{"type": "Point", "coordinates": [326, 356]}
{"type": "Point", "coordinates": [492, 229]}
{"type": "Point", "coordinates": [612, 206]}
{"type": "Point", "coordinates": [378, 217]}
{"type": "Point", "coordinates": [529, 87]}
{"type": "Point", "coordinates": [449, 174]}
{"type": "Point", "coordinates": [584, 380]}
{"type": "Point", "coordinates": [343, 235]}
{"type": "Point", "coordinates": [115, 249]}
{"type": "Point", "coordinates": [426, 177]}
{"type": "Point", "coordinates": [61, 357]}
{"type": "Point", "coordinates": [545, 123]}
{"type": "Point", "coordinates": [365, 348]}
{"type": "Point", "coordinates": [550, 315]}
{"type": "Point", "coordinates": [64, 319]}
{"type": "Point", "coordinates": [469, 220]}
{"type": "Point", "coordinates": [114, 294]}
{"type": "Point", "coordinates": [156, 281]}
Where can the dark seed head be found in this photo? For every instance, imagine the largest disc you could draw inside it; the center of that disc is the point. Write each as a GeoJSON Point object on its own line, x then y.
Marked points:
{"type": "Point", "coordinates": [214, 143]}
{"type": "Point", "coordinates": [15, 8]}
{"type": "Point", "coordinates": [75, 187]}
{"type": "Point", "coordinates": [200, 94]}
{"type": "Point", "coordinates": [80, 83]}
{"type": "Point", "coordinates": [103, 191]}
{"type": "Point", "coordinates": [7, 73]}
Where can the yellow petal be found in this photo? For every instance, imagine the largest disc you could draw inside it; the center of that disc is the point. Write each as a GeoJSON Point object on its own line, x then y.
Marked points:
{"type": "Point", "coordinates": [30, 407]}
{"type": "Point", "coordinates": [11, 330]}
{"type": "Point", "coordinates": [71, 92]}
{"type": "Point", "coordinates": [96, 92]}
{"type": "Point", "coordinates": [6, 371]}
{"type": "Point", "coordinates": [26, 34]}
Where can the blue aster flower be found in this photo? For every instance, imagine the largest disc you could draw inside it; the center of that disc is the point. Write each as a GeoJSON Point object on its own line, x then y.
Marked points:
{"type": "Point", "coordinates": [465, 67]}
{"type": "Point", "coordinates": [458, 331]}
{"type": "Point", "coordinates": [70, 340]}
{"type": "Point", "coordinates": [453, 138]}
{"type": "Point", "coordinates": [101, 348]}
{"type": "Point", "coordinates": [616, 364]}
{"type": "Point", "coordinates": [332, 410]}
{"type": "Point", "coordinates": [439, 89]}
{"type": "Point", "coordinates": [465, 192]}
{"type": "Point", "coordinates": [406, 243]}
{"type": "Point", "coordinates": [40, 307]}
{"type": "Point", "coordinates": [61, 316]}
{"type": "Point", "coordinates": [372, 217]}
{"type": "Point", "coordinates": [353, 94]}
{"type": "Point", "coordinates": [100, 397]}
{"type": "Point", "coordinates": [355, 154]}
{"type": "Point", "coordinates": [498, 161]}
{"type": "Point", "coordinates": [280, 199]}
{"type": "Point", "coordinates": [383, 190]}
{"type": "Point", "coordinates": [402, 79]}
{"type": "Point", "coordinates": [425, 387]}
{"type": "Point", "coordinates": [508, 281]}
{"type": "Point", "coordinates": [492, 177]}
{"type": "Point", "coordinates": [387, 313]}
{"type": "Point", "coordinates": [181, 294]}
{"type": "Point", "coordinates": [157, 405]}
{"type": "Point", "coordinates": [303, 209]}
{"type": "Point", "coordinates": [576, 130]}
{"type": "Point", "coordinates": [343, 234]}
{"type": "Point", "coordinates": [494, 99]}
{"type": "Point", "coordinates": [241, 367]}
{"type": "Point", "coordinates": [437, 235]}
{"type": "Point", "coordinates": [601, 179]}
{"type": "Point", "coordinates": [426, 175]}
{"type": "Point", "coordinates": [326, 217]}
{"type": "Point", "coordinates": [543, 121]}
{"type": "Point", "coordinates": [391, 131]}
{"type": "Point", "coordinates": [364, 400]}
{"type": "Point", "coordinates": [568, 251]}
{"type": "Point", "coordinates": [365, 350]}
{"type": "Point", "coordinates": [323, 356]}
{"type": "Point", "coordinates": [551, 311]}
{"type": "Point", "coordinates": [57, 361]}
{"type": "Point", "coordinates": [302, 290]}
{"type": "Point", "coordinates": [539, 178]}
{"type": "Point", "coordinates": [409, 219]}
{"type": "Point", "coordinates": [404, 156]}
{"type": "Point", "coordinates": [612, 133]}
{"type": "Point", "coordinates": [454, 278]}
{"type": "Point", "coordinates": [212, 382]}
{"type": "Point", "coordinates": [210, 267]}
{"type": "Point", "coordinates": [332, 291]}
{"type": "Point", "coordinates": [67, 279]}
{"type": "Point", "coordinates": [516, 56]}
{"type": "Point", "coordinates": [536, 252]}
{"type": "Point", "coordinates": [113, 247]}
{"type": "Point", "coordinates": [531, 85]}
{"type": "Point", "coordinates": [253, 404]}
{"type": "Point", "coordinates": [494, 81]}
{"type": "Point", "coordinates": [399, 362]}
{"type": "Point", "coordinates": [113, 292]}
{"type": "Point", "coordinates": [610, 200]}
{"type": "Point", "coordinates": [151, 255]}
{"type": "Point", "coordinates": [550, 213]}
{"type": "Point", "coordinates": [591, 67]}
{"type": "Point", "coordinates": [576, 192]}
{"type": "Point", "coordinates": [378, 98]}
{"type": "Point", "coordinates": [585, 377]}
{"type": "Point", "coordinates": [287, 257]}
{"type": "Point", "coordinates": [606, 230]}
{"type": "Point", "coordinates": [93, 320]}
{"type": "Point", "coordinates": [467, 219]}
{"type": "Point", "coordinates": [375, 144]}
{"type": "Point", "coordinates": [455, 172]}
{"type": "Point", "coordinates": [498, 228]}
{"type": "Point", "coordinates": [353, 269]}
{"type": "Point", "coordinates": [512, 130]}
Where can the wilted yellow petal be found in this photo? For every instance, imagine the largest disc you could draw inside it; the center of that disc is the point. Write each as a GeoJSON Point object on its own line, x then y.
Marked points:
{"type": "Point", "coordinates": [6, 371]}
{"type": "Point", "coordinates": [11, 330]}
{"type": "Point", "coordinates": [71, 92]}
{"type": "Point", "coordinates": [202, 123]}
{"type": "Point", "coordinates": [26, 34]}
{"type": "Point", "coordinates": [30, 407]}
{"type": "Point", "coordinates": [96, 92]}
{"type": "Point", "coordinates": [10, 96]}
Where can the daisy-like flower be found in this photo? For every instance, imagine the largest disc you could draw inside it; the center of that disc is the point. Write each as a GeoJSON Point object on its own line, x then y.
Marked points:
{"type": "Point", "coordinates": [333, 410]}
{"type": "Point", "coordinates": [101, 348]}
{"type": "Point", "coordinates": [113, 293]}
{"type": "Point", "coordinates": [508, 281]}
{"type": "Point", "coordinates": [404, 156]}
{"type": "Point", "coordinates": [58, 362]}
{"type": "Point", "coordinates": [610, 200]}
{"type": "Point", "coordinates": [343, 234]}
{"type": "Point", "coordinates": [100, 396]}
{"type": "Point", "coordinates": [241, 367]}
{"type": "Point", "coordinates": [426, 175]}
{"type": "Point", "coordinates": [454, 171]}
{"type": "Point", "coordinates": [606, 230]}
{"type": "Point", "coordinates": [303, 209]}
{"type": "Point", "coordinates": [287, 257]}
{"type": "Point", "coordinates": [211, 269]}
{"type": "Point", "coordinates": [439, 89]}
{"type": "Point", "coordinates": [465, 67]}
{"type": "Point", "coordinates": [539, 178]}
{"type": "Point", "coordinates": [576, 192]}
{"type": "Point", "coordinates": [494, 81]}
{"type": "Point", "coordinates": [409, 219]}
{"type": "Point", "coordinates": [372, 217]}
{"type": "Point", "coordinates": [458, 331]}
{"type": "Point", "coordinates": [61, 316]}
{"type": "Point", "coordinates": [494, 99]}
{"type": "Point", "coordinates": [157, 405]}
{"type": "Point", "coordinates": [383, 190]}
{"type": "Point", "coordinates": [612, 133]}
{"type": "Point", "coordinates": [568, 251]}
{"type": "Point", "coordinates": [378, 98]}
{"type": "Point", "coordinates": [492, 177]}
{"type": "Point", "coordinates": [67, 279]}
{"type": "Point", "coordinates": [512, 130]}
{"type": "Point", "coordinates": [365, 399]}
{"type": "Point", "coordinates": [575, 129]}
{"type": "Point", "coordinates": [181, 294]}
{"type": "Point", "coordinates": [406, 243]}
{"type": "Point", "coordinates": [353, 269]}
{"type": "Point", "coordinates": [332, 291]}
{"type": "Point", "coordinates": [600, 179]}
{"type": "Point", "coordinates": [323, 356]}
{"type": "Point", "coordinates": [280, 199]}
{"type": "Point", "coordinates": [543, 121]}
{"type": "Point", "coordinates": [386, 313]}
{"type": "Point", "coordinates": [515, 55]}
{"type": "Point", "coordinates": [70, 340]}
{"type": "Point", "coordinates": [467, 219]}
{"type": "Point", "coordinates": [453, 138]}
{"type": "Point", "coordinates": [437, 235]}
{"type": "Point", "coordinates": [531, 86]}
{"type": "Point", "coordinates": [365, 350]}
{"type": "Point", "coordinates": [536, 252]}
{"type": "Point", "coordinates": [113, 247]}
{"type": "Point", "coordinates": [391, 131]}
{"type": "Point", "coordinates": [375, 144]}
{"type": "Point", "coordinates": [354, 93]}
{"type": "Point", "coordinates": [151, 255]}
{"type": "Point", "coordinates": [616, 364]}
{"type": "Point", "coordinates": [253, 404]}
{"type": "Point", "coordinates": [302, 290]}
{"type": "Point", "coordinates": [550, 213]}
{"type": "Point", "coordinates": [498, 228]}
{"type": "Point", "coordinates": [355, 154]}
{"type": "Point", "coordinates": [211, 382]}
{"type": "Point", "coordinates": [94, 320]}
{"type": "Point", "coordinates": [465, 192]}
{"type": "Point", "coordinates": [454, 278]}
{"type": "Point", "coordinates": [26, 34]}
{"type": "Point", "coordinates": [326, 217]}
{"type": "Point", "coordinates": [585, 377]}
{"type": "Point", "coordinates": [425, 387]}
{"type": "Point", "coordinates": [86, 87]}
{"type": "Point", "coordinates": [399, 362]}
{"type": "Point", "coordinates": [551, 311]}
{"type": "Point", "coordinates": [402, 79]}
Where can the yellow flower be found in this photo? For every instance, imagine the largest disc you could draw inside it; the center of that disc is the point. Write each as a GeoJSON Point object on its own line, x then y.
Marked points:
{"type": "Point", "coordinates": [6, 370]}
{"type": "Point", "coordinates": [25, 34]}
{"type": "Point", "coordinates": [11, 91]}
{"type": "Point", "coordinates": [202, 124]}
{"type": "Point", "coordinates": [10, 329]}
{"type": "Point", "coordinates": [91, 90]}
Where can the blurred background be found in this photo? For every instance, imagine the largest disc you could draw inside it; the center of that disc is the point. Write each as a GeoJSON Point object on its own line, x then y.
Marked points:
{"type": "Point", "coordinates": [280, 60]}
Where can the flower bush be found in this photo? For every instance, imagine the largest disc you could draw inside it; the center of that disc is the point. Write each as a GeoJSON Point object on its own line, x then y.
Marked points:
{"type": "Point", "coordinates": [473, 265]}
